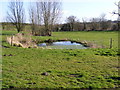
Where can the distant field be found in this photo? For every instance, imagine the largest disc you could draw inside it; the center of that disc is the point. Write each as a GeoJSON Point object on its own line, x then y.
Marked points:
{"type": "Point", "coordinates": [100, 38]}
{"type": "Point", "coordinates": [97, 37]}
{"type": "Point", "coordinates": [88, 68]}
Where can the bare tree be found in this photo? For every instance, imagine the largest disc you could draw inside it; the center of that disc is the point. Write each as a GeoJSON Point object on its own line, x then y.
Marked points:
{"type": "Point", "coordinates": [32, 18]}
{"type": "Point", "coordinates": [84, 24]}
{"type": "Point", "coordinates": [118, 13]}
{"type": "Point", "coordinates": [71, 20]}
{"type": "Point", "coordinates": [35, 17]}
{"type": "Point", "coordinates": [104, 24]}
{"type": "Point", "coordinates": [95, 23]}
{"type": "Point", "coordinates": [48, 13]}
{"type": "Point", "coordinates": [44, 15]}
{"type": "Point", "coordinates": [15, 14]}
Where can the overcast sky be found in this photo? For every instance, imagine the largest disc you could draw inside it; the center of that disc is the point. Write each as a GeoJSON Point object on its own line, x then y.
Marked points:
{"type": "Point", "coordinates": [80, 8]}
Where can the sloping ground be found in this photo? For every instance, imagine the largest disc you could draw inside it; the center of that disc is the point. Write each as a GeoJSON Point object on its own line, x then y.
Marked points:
{"type": "Point", "coordinates": [48, 68]}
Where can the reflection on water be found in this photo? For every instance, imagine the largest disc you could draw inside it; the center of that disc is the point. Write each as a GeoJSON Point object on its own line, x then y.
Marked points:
{"type": "Point", "coordinates": [63, 45]}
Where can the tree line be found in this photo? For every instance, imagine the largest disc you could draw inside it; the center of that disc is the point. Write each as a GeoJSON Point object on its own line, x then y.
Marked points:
{"type": "Point", "coordinates": [43, 15]}
{"type": "Point", "coordinates": [99, 24]}
{"type": "Point", "coordinates": [44, 18]}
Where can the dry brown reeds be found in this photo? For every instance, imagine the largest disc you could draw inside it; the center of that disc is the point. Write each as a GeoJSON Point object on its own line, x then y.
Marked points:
{"type": "Point", "coordinates": [21, 40]}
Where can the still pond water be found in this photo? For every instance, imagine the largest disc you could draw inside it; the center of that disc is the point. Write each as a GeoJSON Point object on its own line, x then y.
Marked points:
{"type": "Point", "coordinates": [63, 45]}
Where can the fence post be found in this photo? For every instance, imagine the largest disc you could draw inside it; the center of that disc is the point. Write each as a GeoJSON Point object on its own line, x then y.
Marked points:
{"type": "Point", "coordinates": [110, 43]}
{"type": "Point", "coordinates": [12, 40]}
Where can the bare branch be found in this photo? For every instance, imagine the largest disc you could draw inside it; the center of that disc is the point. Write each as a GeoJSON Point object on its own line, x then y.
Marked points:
{"type": "Point", "coordinates": [15, 14]}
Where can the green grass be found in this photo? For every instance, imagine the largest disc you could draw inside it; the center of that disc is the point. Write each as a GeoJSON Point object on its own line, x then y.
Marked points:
{"type": "Point", "coordinates": [67, 69]}
{"type": "Point", "coordinates": [99, 38]}
{"type": "Point", "coordinates": [84, 68]}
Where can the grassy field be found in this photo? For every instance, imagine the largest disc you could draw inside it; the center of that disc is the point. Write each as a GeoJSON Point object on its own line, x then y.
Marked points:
{"type": "Point", "coordinates": [99, 38]}
{"type": "Point", "coordinates": [85, 68]}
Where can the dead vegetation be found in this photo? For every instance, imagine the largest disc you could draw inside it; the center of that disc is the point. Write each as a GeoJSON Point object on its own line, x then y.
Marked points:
{"type": "Point", "coordinates": [21, 40]}
{"type": "Point", "coordinates": [91, 45]}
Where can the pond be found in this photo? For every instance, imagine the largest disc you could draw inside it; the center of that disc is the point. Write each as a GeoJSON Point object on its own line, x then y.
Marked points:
{"type": "Point", "coordinates": [62, 45]}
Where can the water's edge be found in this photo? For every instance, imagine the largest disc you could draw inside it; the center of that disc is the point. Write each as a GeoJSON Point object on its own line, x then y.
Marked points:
{"type": "Point", "coordinates": [63, 45]}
